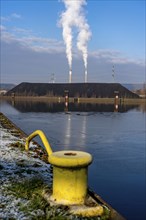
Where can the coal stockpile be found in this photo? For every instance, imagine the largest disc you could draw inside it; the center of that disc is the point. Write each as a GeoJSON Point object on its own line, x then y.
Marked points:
{"type": "Point", "coordinates": [87, 90]}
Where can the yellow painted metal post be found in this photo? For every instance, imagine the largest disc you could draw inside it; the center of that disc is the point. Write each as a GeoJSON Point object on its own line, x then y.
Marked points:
{"type": "Point", "coordinates": [69, 185]}
{"type": "Point", "coordinates": [70, 176]}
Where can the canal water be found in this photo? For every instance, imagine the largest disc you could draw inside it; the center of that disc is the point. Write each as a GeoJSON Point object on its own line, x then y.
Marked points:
{"type": "Point", "coordinates": [115, 138]}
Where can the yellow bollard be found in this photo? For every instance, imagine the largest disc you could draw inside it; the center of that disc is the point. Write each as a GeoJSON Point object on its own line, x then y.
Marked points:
{"type": "Point", "coordinates": [70, 172]}
{"type": "Point", "coordinates": [70, 176]}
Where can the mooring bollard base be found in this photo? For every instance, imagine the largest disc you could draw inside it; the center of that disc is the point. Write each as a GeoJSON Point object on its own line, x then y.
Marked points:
{"type": "Point", "coordinates": [90, 209]}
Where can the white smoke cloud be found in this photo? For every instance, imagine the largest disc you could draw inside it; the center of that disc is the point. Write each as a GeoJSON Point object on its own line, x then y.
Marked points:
{"type": "Point", "coordinates": [74, 16]}
{"type": "Point", "coordinates": [84, 35]}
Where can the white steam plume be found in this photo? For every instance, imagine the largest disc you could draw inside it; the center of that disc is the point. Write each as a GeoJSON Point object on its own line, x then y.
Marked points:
{"type": "Point", "coordinates": [67, 22]}
{"type": "Point", "coordinates": [74, 16]}
{"type": "Point", "coordinates": [84, 35]}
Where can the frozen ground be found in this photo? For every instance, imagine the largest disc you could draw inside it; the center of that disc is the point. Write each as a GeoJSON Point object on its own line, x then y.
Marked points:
{"type": "Point", "coordinates": [17, 166]}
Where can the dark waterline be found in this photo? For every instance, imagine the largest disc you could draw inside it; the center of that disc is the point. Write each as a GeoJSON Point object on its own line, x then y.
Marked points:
{"type": "Point", "coordinates": [115, 139]}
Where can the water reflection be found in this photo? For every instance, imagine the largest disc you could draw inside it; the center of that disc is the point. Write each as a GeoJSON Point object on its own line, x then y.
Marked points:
{"type": "Point", "coordinates": [31, 106]}
{"type": "Point", "coordinates": [68, 131]}
{"type": "Point", "coordinates": [116, 141]}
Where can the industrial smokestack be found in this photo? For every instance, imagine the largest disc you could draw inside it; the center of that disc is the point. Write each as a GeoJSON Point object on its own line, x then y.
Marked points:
{"type": "Point", "coordinates": [70, 76]}
{"type": "Point", "coordinates": [85, 75]}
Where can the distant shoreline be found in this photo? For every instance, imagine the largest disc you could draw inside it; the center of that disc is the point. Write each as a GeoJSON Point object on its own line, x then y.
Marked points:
{"type": "Point", "coordinates": [76, 99]}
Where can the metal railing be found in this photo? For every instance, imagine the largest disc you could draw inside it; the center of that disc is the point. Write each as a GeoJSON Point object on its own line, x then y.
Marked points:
{"type": "Point", "coordinates": [43, 138]}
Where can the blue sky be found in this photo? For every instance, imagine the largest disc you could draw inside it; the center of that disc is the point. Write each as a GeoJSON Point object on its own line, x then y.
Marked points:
{"type": "Point", "coordinates": [32, 47]}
